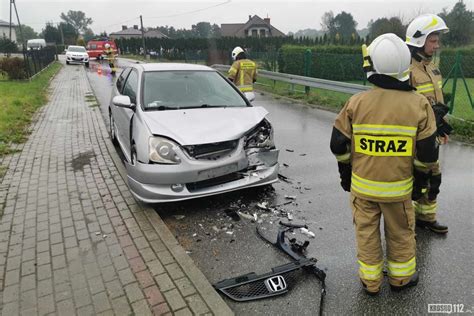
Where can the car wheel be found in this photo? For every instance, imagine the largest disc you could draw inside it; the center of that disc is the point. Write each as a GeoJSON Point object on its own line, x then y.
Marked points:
{"type": "Point", "coordinates": [67, 63]}
{"type": "Point", "coordinates": [87, 65]}
{"type": "Point", "coordinates": [112, 129]}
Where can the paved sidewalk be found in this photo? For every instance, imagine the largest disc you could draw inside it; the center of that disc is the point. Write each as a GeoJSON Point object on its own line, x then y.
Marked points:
{"type": "Point", "coordinates": [72, 238]}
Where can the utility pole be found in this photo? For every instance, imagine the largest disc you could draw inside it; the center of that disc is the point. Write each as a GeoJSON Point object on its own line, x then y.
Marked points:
{"type": "Point", "coordinates": [19, 26]}
{"type": "Point", "coordinates": [10, 36]}
{"type": "Point", "coordinates": [61, 32]}
{"type": "Point", "coordinates": [143, 36]}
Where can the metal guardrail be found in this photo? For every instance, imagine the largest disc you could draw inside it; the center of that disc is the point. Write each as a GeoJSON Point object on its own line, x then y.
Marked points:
{"type": "Point", "coordinates": [337, 86]}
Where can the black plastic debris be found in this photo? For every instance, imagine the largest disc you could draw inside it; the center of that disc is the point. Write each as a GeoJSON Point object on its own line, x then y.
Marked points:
{"type": "Point", "coordinates": [284, 178]}
{"type": "Point", "coordinates": [232, 214]}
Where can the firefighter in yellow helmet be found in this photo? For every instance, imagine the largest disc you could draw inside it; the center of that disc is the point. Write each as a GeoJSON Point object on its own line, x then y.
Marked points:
{"type": "Point", "coordinates": [243, 72]}
{"type": "Point", "coordinates": [423, 41]}
{"type": "Point", "coordinates": [380, 138]}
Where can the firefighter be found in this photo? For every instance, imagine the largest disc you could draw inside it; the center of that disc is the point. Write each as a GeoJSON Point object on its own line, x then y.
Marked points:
{"type": "Point", "coordinates": [109, 52]}
{"type": "Point", "coordinates": [384, 142]}
{"type": "Point", "coordinates": [243, 72]}
{"type": "Point", "coordinates": [423, 41]}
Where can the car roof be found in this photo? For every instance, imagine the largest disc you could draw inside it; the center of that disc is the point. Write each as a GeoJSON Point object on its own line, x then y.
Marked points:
{"type": "Point", "coordinates": [173, 66]}
{"type": "Point", "coordinates": [74, 46]}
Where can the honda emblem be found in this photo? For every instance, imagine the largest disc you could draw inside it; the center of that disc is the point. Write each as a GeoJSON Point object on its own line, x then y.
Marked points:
{"type": "Point", "coordinates": [275, 284]}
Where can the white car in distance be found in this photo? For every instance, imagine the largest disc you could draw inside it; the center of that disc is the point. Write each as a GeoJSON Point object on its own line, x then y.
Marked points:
{"type": "Point", "coordinates": [77, 54]}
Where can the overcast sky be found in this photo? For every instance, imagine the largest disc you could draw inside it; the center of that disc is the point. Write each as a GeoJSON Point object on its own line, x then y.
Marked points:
{"type": "Point", "coordinates": [285, 15]}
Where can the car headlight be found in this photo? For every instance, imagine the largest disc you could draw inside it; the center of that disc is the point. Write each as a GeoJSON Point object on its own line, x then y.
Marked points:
{"type": "Point", "coordinates": [163, 150]}
{"type": "Point", "coordinates": [260, 136]}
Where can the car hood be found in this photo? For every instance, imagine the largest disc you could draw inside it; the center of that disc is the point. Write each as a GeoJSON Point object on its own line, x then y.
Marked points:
{"type": "Point", "coordinates": [203, 126]}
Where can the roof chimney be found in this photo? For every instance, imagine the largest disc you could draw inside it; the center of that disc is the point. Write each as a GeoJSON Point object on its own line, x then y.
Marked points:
{"type": "Point", "coordinates": [135, 27]}
{"type": "Point", "coordinates": [124, 27]}
{"type": "Point", "coordinates": [250, 17]}
{"type": "Point", "coordinates": [267, 20]}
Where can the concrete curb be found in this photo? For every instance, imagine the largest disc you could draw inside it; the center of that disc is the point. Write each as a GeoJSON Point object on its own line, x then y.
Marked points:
{"type": "Point", "coordinates": [213, 300]}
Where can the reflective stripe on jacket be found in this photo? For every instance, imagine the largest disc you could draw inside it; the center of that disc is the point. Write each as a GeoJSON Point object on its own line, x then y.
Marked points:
{"type": "Point", "coordinates": [243, 72]}
{"type": "Point", "coordinates": [427, 80]}
{"type": "Point", "coordinates": [383, 126]}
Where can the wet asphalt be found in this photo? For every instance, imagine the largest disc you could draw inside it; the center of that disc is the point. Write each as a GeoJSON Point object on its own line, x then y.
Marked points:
{"type": "Point", "coordinates": [223, 247]}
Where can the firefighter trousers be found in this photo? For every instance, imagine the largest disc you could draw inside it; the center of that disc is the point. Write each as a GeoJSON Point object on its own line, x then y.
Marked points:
{"type": "Point", "coordinates": [425, 209]}
{"type": "Point", "coordinates": [399, 225]}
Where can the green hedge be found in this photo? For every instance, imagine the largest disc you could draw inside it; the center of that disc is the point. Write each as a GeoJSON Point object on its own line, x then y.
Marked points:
{"type": "Point", "coordinates": [340, 63]}
{"type": "Point", "coordinates": [344, 63]}
{"type": "Point", "coordinates": [257, 44]}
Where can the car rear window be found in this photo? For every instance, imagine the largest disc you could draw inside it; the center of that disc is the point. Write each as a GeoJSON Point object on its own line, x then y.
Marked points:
{"type": "Point", "coordinates": [188, 89]}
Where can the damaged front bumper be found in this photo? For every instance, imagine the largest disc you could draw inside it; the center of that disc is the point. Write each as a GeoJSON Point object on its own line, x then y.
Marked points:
{"type": "Point", "coordinates": [155, 183]}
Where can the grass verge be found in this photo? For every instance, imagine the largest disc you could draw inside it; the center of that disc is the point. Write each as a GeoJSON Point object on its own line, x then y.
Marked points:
{"type": "Point", "coordinates": [19, 102]}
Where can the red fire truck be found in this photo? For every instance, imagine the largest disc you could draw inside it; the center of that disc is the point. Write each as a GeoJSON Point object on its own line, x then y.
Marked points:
{"type": "Point", "coordinates": [95, 48]}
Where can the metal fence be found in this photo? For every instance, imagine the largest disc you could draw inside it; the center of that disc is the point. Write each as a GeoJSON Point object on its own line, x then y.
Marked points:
{"type": "Point", "coordinates": [457, 70]}
{"type": "Point", "coordinates": [336, 86]}
{"type": "Point", "coordinates": [458, 83]}
{"type": "Point", "coordinates": [37, 60]}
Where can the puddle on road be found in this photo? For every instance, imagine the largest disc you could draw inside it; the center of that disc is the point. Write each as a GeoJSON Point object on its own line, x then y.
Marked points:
{"type": "Point", "coordinates": [83, 159]}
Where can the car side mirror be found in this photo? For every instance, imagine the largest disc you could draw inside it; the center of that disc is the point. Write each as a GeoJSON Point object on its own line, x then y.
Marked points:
{"type": "Point", "coordinates": [250, 96]}
{"type": "Point", "coordinates": [123, 101]}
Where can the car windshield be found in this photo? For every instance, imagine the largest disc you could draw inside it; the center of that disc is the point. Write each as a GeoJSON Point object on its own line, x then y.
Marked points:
{"type": "Point", "coordinates": [76, 49]}
{"type": "Point", "coordinates": [168, 90]}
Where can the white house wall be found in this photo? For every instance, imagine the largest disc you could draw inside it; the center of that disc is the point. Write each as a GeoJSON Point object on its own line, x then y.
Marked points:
{"type": "Point", "coordinates": [5, 32]}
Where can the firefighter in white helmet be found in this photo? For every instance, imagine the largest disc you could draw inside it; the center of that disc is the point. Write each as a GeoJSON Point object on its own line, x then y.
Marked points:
{"type": "Point", "coordinates": [243, 72]}
{"type": "Point", "coordinates": [109, 52]}
{"type": "Point", "coordinates": [379, 139]}
{"type": "Point", "coordinates": [423, 39]}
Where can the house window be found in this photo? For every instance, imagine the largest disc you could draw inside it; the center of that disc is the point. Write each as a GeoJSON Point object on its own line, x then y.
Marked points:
{"type": "Point", "coordinates": [254, 33]}
{"type": "Point", "coordinates": [262, 33]}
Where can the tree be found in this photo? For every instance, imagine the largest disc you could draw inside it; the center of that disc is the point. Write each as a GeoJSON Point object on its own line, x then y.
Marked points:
{"type": "Point", "coordinates": [327, 21]}
{"type": "Point", "coordinates": [77, 19]}
{"type": "Point", "coordinates": [27, 32]}
{"type": "Point", "coordinates": [51, 34]}
{"type": "Point", "coordinates": [7, 46]}
{"type": "Point", "coordinates": [461, 25]}
{"type": "Point", "coordinates": [202, 29]}
{"type": "Point", "coordinates": [215, 31]}
{"type": "Point", "coordinates": [69, 33]}
{"type": "Point", "coordinates": [344, 25]}
{"type": "Point", "coordinates": [88, 35]}
{"type": "Point", "coordinates": [385, 25]}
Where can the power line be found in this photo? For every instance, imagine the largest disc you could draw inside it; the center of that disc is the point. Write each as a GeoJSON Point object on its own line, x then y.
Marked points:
{"type": "Point", "coordinates": [118, 23]}
{"type": "Point", "coordinates": [154, 17]}
{"type": "Point", "coordinates": [189, 12]}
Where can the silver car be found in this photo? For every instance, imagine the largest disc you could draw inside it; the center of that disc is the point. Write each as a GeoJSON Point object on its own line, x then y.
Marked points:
{"type": "Point", "coordinates": [187, 132]}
